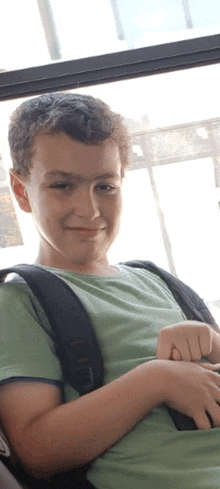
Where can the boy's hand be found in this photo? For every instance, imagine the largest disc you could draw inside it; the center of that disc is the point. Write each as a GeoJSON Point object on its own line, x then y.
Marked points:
{"type": "Point", "coordinates": [188, 341]}
{"type": "Point", "coordinates": [194, 390]}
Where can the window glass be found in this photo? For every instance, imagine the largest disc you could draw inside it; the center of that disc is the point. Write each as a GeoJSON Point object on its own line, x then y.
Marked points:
{"type": "Point", "coordinates": [160, 21]}
{"type": "Point", "coordinates": [37, 32]}
{"type": "Point", "coordinates": [18, 238]}
{"type": "Point", "coordinates": [171, 192]}
{"type": "Point", "coordinates": [22, 38]}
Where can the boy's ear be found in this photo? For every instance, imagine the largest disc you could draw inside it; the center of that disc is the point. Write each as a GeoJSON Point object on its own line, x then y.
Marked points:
{"type": "Point", "coordinates": [19, 190]}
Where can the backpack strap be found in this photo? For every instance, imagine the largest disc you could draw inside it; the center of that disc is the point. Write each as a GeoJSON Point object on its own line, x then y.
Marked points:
{"type": "Point", "coordinates": [191, 304]}
{"type": "Point", "coordinates": [72, 332]}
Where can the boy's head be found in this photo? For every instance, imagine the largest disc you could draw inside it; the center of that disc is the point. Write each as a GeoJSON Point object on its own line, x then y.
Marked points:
{"type": "Point", "coordinates": [69, 153]}
{"type": "Point", "coordinates": [82, 117]}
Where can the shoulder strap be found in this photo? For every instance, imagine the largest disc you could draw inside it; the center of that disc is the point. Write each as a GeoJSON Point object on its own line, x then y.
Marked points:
{"type": "Point", "coordinates": [191, 304]}
{"type": "Point", "coordinates": [74, 337]}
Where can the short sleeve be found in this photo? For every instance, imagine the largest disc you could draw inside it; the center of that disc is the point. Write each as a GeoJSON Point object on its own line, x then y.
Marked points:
{"type": "Point", "coordinates": [26, 349]}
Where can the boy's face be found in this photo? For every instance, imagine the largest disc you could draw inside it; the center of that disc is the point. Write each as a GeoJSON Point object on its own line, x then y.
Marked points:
{"type": "Point", "coordinates": [74, 194]}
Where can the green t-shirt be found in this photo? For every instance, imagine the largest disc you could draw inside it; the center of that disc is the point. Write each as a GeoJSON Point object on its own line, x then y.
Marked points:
{"type": "Point", "coordinates": [127, 310]}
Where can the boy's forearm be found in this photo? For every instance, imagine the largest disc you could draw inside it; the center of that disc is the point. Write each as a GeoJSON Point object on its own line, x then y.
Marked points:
{"type": "Point", "coordinates": [77, 432]}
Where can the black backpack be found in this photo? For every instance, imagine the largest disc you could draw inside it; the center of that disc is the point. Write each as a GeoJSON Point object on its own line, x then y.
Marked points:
{"type": "Point", "coordinates": [61, 304]}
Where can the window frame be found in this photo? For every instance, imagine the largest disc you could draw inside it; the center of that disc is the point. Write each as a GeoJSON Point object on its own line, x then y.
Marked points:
{"type": "Point", "coordinates": [123, 65]}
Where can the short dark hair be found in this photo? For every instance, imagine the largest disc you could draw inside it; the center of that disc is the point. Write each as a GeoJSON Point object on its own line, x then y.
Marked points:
{"type": "Point", "coordinates": [82, 117]}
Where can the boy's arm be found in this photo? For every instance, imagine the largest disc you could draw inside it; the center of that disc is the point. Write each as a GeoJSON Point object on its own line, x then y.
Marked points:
{"type": "Point", "coordinates": [49, 437]}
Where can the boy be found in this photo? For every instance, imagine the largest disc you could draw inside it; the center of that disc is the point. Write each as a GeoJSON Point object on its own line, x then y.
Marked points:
{"type": "Point", "coordinates": [69, 154]}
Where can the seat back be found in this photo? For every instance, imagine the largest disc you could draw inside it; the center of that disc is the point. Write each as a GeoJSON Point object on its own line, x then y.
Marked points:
{"type": "Point", "coordinates": [7, 480]}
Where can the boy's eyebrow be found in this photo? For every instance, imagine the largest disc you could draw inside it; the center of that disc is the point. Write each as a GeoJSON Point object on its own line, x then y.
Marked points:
{"type": "Point", "coordinates": [79, 178]}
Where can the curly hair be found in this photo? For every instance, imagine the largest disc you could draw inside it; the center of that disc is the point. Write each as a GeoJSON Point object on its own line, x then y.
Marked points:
{"type": "Point", "coordinates": [82, 117]}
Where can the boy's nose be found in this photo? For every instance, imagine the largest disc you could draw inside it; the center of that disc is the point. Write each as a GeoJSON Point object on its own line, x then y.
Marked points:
{"type": "Point", "coordinates": [86, 204]}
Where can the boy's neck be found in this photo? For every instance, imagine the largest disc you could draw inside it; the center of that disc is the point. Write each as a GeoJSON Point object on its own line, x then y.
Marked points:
{"type": "Point", "coordinates": [91, 268]}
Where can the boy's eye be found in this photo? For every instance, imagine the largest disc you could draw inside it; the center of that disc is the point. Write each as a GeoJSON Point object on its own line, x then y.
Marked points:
{"type": "Point", "coordinates": [67, 187]}
{"type": "Point", "coordinates": [61, 186]}
{"type": "Point", "coordinates": [106, 187]}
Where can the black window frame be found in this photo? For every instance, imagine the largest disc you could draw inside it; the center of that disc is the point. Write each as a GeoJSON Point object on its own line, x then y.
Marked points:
{"type": "Point", "coordinates": [124, 65]}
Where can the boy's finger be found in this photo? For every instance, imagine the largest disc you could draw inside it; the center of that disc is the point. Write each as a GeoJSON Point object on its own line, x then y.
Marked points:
{"type": "Point", "coordinates": [210, 366]}
{"type": "Point", "coordinates": [175, 355]}
{"type": "Point", "coordinates": [205, 341]}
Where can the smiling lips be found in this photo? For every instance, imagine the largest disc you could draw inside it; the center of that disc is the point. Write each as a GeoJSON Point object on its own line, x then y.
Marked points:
{"type": "Point", "coordinates": [87, 231]}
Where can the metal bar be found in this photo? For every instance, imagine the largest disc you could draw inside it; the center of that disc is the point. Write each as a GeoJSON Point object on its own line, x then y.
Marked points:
{"type": "Point", "coordinates": [110, 67]}
{"type": "Point", "coordinates": [118, 24]}
{"type": "Point", "coordinates": [168, 161]}
{"type": "Point", "coordinates": [199, 123]}
{"type": "Point", "coordinates": [47, 20]}
{"type": "Point", "coordinates": [160, 213]}
{"type": "Point", "coordinates": [215, 153]}
{"type": "Point", "coordinates": [187, 14]}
